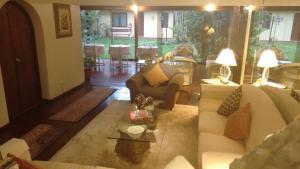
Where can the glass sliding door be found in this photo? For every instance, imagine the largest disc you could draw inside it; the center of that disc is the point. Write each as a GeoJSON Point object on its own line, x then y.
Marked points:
{"type": "Point", "coordinates": [278, 31]}
{"type": "Point", "coordinates": [108, 27]}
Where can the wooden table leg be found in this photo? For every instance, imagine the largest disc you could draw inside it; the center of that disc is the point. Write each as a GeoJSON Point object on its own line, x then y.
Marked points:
{"type": "Point", "coordinates": [133, 150]}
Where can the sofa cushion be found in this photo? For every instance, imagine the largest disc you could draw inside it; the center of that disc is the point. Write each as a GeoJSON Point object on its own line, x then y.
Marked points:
{"type": "Point", "coordinates": [156, 92]}
{"type": "Point", "coordinates": [207, 104]}
{"type": "Point", "coordinates": [231, 103]}
{"type": "Point", "coordinates": [211, 122]}
{"type": "Point", "coordinates": [295, 95]}
{"type": "Point", "coordinates": [285, 103]}
{"type": "Point", "coordinates": [155, 76]}
{"type": "Point", "coordinates": [219, 143]}
{"type": "Point", "coordinates": [238, 124]}
{"type": "Point", "coordinates": [265, 118]}
{"type": "Point", "coordinates": [218, 160]}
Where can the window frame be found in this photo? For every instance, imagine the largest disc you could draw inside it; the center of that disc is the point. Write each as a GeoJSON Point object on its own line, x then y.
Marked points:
{"type": "Point", "coordinates": [119, 16]}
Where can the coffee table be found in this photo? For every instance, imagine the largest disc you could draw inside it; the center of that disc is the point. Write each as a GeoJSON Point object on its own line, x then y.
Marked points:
{"type": "Point", "coordinates": [129, 145]}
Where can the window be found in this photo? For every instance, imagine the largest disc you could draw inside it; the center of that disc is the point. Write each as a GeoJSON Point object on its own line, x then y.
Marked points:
{"type": "Point", "coordinates": [164, 19]}
{"type": "Point", "coordinates": [119, 19]}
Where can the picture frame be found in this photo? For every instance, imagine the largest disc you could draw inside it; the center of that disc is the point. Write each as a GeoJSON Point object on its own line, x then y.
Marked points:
{"type": "Point", "coordinates": [63, 20]}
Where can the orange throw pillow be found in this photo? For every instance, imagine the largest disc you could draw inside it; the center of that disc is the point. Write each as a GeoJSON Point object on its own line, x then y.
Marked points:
{"type": "Point", "coordinates": [23, 164]}
{"type": "Point", "coordinates": [155, 76]}
{"type": "Point", "coordinates": [239, 123]}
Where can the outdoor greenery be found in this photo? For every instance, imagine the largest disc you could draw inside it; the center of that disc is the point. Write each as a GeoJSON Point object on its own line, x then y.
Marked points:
{"type": "Point", "coordinates": [191, 29]}
{"type": "Point", "coordinates": [289, 48]}
{"type": "Point", "coordinates": [207, 31]}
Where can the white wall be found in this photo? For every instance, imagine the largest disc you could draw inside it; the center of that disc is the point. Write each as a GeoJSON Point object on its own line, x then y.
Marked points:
{"type": "Point", "coordinates": [130, 19]}
{"type": "Point", "coordinates": [281, 31]}
{"type": "Point", "coordinates": [170, 26]}
{"type": "Point", "coordinates": [151, 24]}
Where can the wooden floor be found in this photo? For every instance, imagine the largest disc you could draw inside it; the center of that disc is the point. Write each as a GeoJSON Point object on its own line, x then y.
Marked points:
{"type": "Point", "coordinates": [103, 76]}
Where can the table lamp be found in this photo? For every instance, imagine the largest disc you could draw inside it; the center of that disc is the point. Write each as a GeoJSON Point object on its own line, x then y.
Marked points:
{"type": "Point", "coordinates": [226, 58]}
{"type": "Point", "coordinates": [267, 60]}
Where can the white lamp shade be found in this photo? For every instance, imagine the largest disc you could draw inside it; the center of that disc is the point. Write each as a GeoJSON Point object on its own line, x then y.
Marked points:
{"type": "Point", "coordinates": [268, 59]}
{"type": "Point", "coordinates": [226, 57]}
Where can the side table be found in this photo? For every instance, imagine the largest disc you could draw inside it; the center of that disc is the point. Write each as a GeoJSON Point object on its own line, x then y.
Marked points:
{"type": "Point", "coordinates": [218, 82]}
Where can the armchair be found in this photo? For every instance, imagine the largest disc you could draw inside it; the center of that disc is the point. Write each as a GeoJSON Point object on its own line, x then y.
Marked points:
{"type": "Point", "coordinates": [167, 92]}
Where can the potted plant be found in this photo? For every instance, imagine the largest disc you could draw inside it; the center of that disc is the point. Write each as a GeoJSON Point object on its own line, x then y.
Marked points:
{"type": "Point", "coordinates": [88, 67]}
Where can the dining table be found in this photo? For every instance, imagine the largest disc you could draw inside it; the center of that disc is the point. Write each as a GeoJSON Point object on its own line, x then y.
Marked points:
{"type": "Point", "coordinates": [95, 51]}
{"type": "Point", "coordinates": [119, 53]}
{"type": "Point", "coordinates": [146, 54]}
{"type": "Point", "coordinates": [147, 51]}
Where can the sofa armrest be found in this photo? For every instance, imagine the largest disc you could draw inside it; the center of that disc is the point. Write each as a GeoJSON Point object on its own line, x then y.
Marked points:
{"type": "Point", "coordinates": [172, 92]}
{"type": "Point", "coordinates": [134, 83]}
{"type": "Point", "coordinates": [215, 91]}
{"type": "Point", "coordinates": [17, 147]}
{"type": "Point", "coordinates": [177, 79]}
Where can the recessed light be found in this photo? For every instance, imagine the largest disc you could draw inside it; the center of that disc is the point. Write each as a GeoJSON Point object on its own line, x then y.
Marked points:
{"type": "Point", "coordinates": [135, 8]}
{"type": "Point", "coordinates": [250, 7]}
{"type": "Point", "coordinates": [210, 7]}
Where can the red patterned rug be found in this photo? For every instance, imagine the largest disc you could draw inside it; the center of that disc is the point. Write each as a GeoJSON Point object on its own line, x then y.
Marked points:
{"type": "Point", "coordinates": [78, 109]}
{"type": "Point", "coordinates": [41, 136]}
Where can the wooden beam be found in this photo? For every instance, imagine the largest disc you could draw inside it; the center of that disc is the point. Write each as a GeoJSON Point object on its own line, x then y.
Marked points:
{"type": "Point", "coordinates": [247, 35]}
{"type": "Point", "coordinates": [136, 35]}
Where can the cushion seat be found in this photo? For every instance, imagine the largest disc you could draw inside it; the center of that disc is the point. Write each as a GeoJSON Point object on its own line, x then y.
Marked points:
{"type": "Point", "coordinates": [208, 104]}
{"type": "Point", "coordinates": [218, 160]}
{"type": "Point", "coordinates": [211, 122]}
{"type": "Point", "coordinates": [156, 92]}
{"type": "Point", "coordinates": [219, 143]}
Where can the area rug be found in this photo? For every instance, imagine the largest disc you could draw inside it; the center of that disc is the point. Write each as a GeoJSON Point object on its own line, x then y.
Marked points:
{"type": "Point", "coordinates": [176, 134]}
{"type": "Point", "coordinates": [41, 136]}
{"type": "Point", "coordinates": [78, 109]}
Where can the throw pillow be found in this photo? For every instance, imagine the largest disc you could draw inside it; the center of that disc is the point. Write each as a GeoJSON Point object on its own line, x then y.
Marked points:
{"type": "Point", "coordinates": [155, 76]}
{"type": "Point", "coordinates": [238, 123]}
{"type": "Point", "coordinates": [231, 103]}
{"type": "Point", "coordinates": [23, 164]}
{"type": "Point", "coordinates": [295, 95]}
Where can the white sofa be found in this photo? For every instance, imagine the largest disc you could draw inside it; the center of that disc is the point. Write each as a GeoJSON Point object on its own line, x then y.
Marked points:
{"type": "Point", "coordinates": [216, 151]}
{"type": "Point", "coordinates": [286, 104]}
{"type": "Point", "coordinates": [19, 148]}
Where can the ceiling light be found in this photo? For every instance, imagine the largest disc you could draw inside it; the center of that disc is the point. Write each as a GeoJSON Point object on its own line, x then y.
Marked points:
{"type": "Point", "coordinates": [135, 8]}
{"type": "Point", "coordinates": [210, 7]}
{"type": "Point", "coordinates": [250, 7]}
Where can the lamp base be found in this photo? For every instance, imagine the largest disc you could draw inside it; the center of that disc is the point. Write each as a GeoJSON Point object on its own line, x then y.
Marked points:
{"type": "Point", "coordinates": [265, 76]}
{"type": "Point", "coordinates": [225, 73]}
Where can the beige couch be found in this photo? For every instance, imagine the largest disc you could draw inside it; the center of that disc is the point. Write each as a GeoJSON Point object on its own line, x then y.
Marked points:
{"type": "Point", "coordinates": [19, 148]}
{"type": "Point", "coordinates": [285, 103]}
{"type": "Point", "coordinates": [216, 150]}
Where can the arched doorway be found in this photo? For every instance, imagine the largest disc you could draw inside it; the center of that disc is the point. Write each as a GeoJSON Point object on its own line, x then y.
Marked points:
{"type": "Point", "coordinates": [18, 60]}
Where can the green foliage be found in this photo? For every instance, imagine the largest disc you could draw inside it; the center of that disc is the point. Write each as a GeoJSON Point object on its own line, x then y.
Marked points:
{"type": "Point", "coordinates": [91, 26]}
{"type": "Point", "coordinates": [259, 18]}
{"type": "Point", "coordinates": [195, 23]}
{"type": "Point", "coordinates": [88, 63]}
